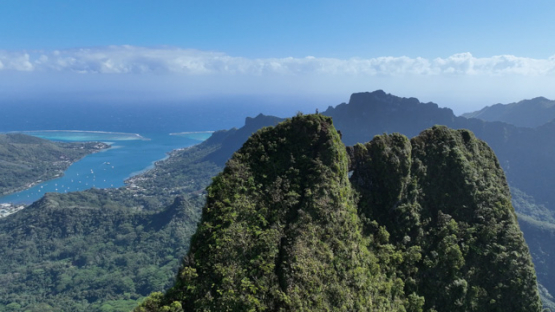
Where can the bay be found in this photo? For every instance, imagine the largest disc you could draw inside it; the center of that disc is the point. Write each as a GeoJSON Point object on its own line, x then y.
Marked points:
{"type": "Point", "coordinates": [129, 155]}
{"type": "Point", "coordinates": [117, 123]}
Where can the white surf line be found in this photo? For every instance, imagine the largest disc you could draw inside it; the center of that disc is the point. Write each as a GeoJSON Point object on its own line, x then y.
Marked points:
{"type": "Point", "coordinates": [136, 135]}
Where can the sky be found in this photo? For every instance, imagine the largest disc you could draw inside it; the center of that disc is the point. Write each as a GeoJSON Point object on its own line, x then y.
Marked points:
{"type": "Point", "coordinates": [459, 54]}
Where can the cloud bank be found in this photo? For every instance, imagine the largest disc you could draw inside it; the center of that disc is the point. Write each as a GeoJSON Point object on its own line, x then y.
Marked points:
{"type": "Point", "coordinates": [129, 73]}
{"type": "Point", "coordinates": [140, 60]}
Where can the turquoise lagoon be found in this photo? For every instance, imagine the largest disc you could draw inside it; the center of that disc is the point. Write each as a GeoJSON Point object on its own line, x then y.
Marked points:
{"type": "Point", "coordinates": [84, 136]}
{"type": "Point", "coordinates": [130, 154]}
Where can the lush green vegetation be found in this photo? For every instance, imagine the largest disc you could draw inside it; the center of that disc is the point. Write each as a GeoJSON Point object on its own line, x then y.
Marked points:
{"type": "Point", "coordinates": [423, 225]}
{"type": "Point", "coordinates": [101, 250]}
{"type": "Point", "coordinates": [89, 258]}
{"type": "Point", "coordinates": [25, 159]}
{"type": "Point", "coordinates": [445, 194]}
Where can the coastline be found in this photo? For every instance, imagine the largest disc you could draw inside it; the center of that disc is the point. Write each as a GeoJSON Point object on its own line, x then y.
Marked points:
{"type": "Point", "coordinates": [81, 180]}
{"type": "Point", "coordinates": [96, 147]}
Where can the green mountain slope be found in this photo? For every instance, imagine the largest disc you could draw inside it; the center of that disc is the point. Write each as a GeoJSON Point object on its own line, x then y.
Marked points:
{"type": "Point", "coordinates": [527, 113]}
{"type": "Point", "coordinates": [445, 193]}
{"type": "Point", "coordinates": [25, 160]}
{"type": "Point", "coordinates": [425, 224]}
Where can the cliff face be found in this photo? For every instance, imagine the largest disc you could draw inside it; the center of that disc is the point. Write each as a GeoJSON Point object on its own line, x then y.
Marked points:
{"type": "Point", "coordinates": [422, 224]}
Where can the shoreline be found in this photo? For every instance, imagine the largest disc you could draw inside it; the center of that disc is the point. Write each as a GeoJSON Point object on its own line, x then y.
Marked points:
{"type": "Point", "coordinates": [58, 173]}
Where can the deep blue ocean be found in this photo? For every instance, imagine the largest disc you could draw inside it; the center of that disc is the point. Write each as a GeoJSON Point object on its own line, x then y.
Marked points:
{"type": "Point", "coordinates": [152, 121]}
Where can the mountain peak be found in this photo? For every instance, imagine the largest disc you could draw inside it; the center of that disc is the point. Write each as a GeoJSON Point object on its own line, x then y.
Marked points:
{"type": "Point", "coordinates": [371, 113]}
{"type": "Point", "coordinates": [417, 227]}
{"type": "Point", "coordinates": [260, 121]}
{"type": "Point", "coordinates": [364, 97]}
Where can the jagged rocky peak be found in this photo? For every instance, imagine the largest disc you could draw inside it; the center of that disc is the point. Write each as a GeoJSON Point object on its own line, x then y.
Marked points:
{"type": "Point", "coordinates": [379, 97]}
{"type": "Point", "coordinates": [261, 120]}
{"type": "Point", "coordinates": [422, 225]}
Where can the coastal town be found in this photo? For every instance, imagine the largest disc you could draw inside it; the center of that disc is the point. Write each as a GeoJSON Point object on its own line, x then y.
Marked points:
{"type": "Point", "coordinates": [8, 209]}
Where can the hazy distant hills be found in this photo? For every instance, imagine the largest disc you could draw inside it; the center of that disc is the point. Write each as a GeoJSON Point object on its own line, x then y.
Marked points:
{"type": "Point", "coordinates": [526, 113]}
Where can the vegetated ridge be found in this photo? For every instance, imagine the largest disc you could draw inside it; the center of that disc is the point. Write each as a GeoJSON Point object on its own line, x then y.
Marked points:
{"type": "Point", "coordinates": [524, 153]}
{"type": "Point", "coordinates": [422, 224]}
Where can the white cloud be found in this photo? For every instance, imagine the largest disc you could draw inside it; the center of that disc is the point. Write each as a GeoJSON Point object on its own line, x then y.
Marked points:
{"type": "Point", "coordinates": [139, 60]}
{"type": "Point", "coordinates": [19, 61]}
{"type": "Point", "coordinates": [461, 81]}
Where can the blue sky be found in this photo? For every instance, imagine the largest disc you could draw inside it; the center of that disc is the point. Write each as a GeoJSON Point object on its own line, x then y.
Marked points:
{"type": "Point", "coordinates": [462, 54]}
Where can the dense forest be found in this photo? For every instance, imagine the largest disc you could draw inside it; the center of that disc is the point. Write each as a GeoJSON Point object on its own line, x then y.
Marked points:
{"type": "Point", "coordinates": [89, 258]}
{"type": "Point", "coordinates": [26, 159]}
{"type": "Point", "coordinates": [421, 225]}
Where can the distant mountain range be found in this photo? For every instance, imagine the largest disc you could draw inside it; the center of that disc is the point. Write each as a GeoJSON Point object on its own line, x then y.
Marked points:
{"type": "Point", "coordinates": [526, 113]}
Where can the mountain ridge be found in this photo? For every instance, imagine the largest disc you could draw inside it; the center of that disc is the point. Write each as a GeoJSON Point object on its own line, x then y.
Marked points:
{"type": "Point", "coordinates": [530, 113]}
